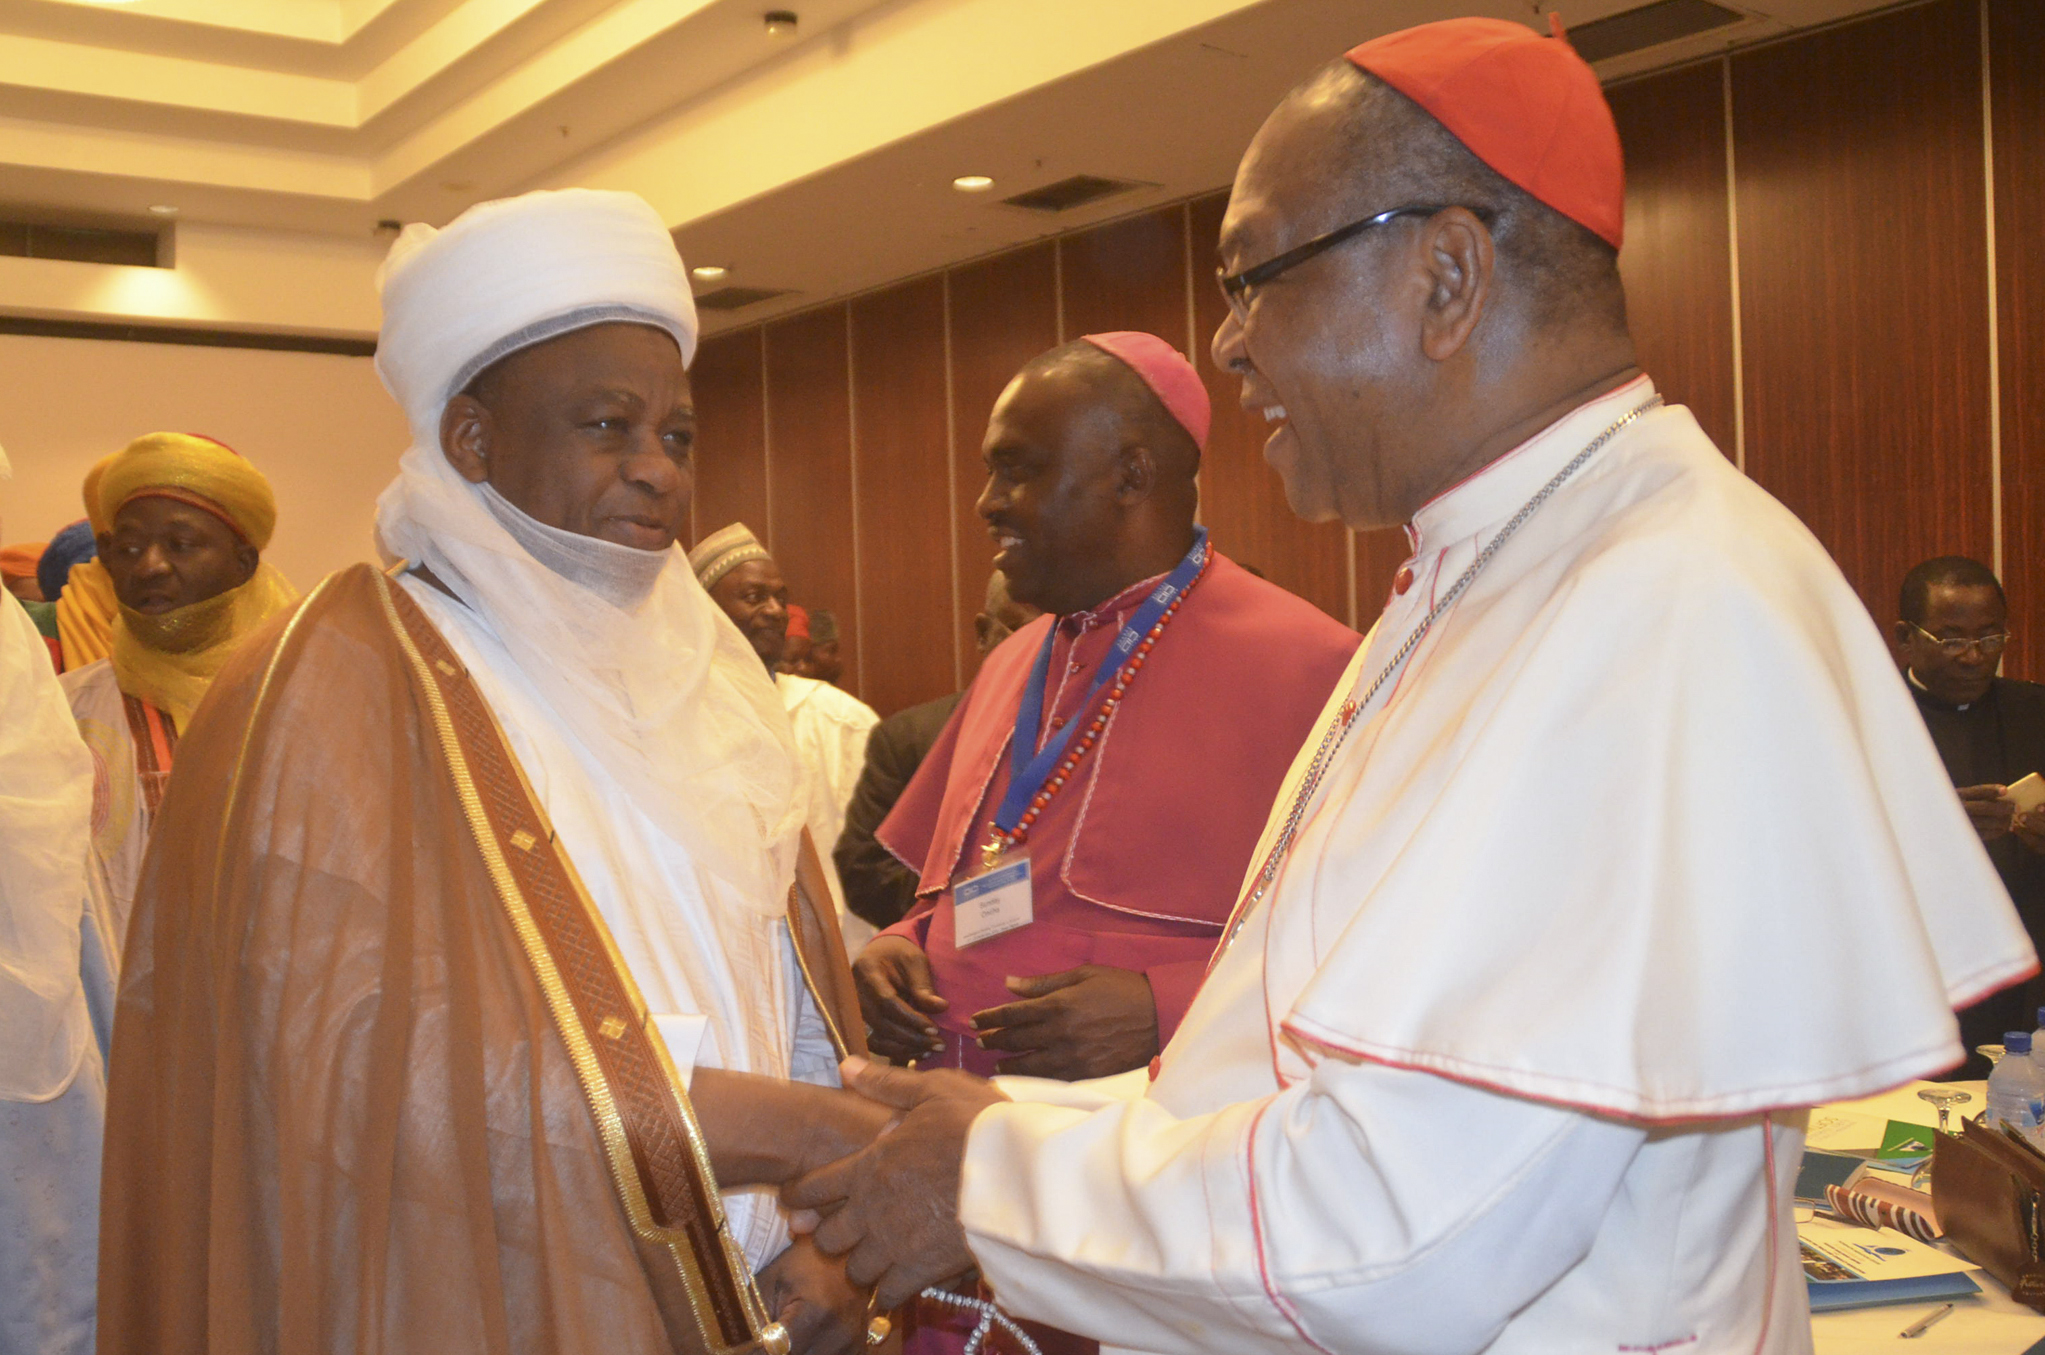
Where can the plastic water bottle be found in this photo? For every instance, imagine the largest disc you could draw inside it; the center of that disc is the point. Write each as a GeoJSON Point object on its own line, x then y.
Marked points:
{"type": "Point", "coordinates": [2016, 1090]}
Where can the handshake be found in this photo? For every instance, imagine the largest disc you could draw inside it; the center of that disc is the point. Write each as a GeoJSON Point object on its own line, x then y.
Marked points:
{"type": "Point", "coordinates": [873, 1175]}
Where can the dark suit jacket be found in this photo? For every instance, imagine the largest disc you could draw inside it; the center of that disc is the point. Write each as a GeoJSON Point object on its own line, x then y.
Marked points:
{"type": "Point", "coordinates": [877, 886]}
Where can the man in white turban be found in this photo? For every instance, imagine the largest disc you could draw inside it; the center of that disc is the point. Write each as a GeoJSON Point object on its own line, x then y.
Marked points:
{"type": "Point", "coordinates": [481, 938]}
{"type": "Point", "coordinates": [52, 1081]}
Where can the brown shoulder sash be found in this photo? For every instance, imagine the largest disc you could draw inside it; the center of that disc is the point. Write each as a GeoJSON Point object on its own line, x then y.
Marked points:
{"type": "Point", "coordinates": [657, 1156]}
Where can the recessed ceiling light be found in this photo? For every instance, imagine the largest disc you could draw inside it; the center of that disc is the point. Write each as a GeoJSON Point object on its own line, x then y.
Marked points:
{"type": "Point", "coordinates": [708, 272]}
{"type": "Point", "coordinates": [972, 183]}
{"type": "Point", "coordinates": [780, 23]}
{"type": "Point", "coordinates": [162, 209]}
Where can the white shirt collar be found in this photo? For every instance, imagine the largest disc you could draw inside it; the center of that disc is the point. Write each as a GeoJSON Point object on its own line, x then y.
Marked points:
{"type": "Point", "coordinates": [1497, 491]}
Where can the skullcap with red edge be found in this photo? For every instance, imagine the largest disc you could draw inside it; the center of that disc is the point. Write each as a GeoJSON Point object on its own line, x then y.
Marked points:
{"type": "Point", "coordinates": [1165, 370]}
{"type": "Point", "coordinates": [1526, 105]}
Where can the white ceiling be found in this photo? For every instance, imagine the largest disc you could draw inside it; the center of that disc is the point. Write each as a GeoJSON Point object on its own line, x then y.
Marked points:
{"type": "Point", "coordinates": [820, 163]}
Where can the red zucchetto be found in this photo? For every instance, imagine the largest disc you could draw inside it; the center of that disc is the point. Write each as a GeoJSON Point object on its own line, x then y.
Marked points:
{"type": "Point", "coordinates": [1526, 105]}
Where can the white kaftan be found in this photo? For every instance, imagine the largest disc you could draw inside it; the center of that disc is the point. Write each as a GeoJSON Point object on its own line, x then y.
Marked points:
{"type": "Point", "coordinates": [718, 973]}
{"type": "Point", "coordinates": [52, 1073]}
{"type": "Point", "coordinates": [1644, 850]}
{"type": "Point", "coordinates": [831, 728]}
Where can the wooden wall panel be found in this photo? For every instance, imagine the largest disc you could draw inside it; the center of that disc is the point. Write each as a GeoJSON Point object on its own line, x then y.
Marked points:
{"type": "Point", "coordinates": [1128, 274]}
{"type": "Point", "coordinates": [731, 435]}
{"type": "Point", "coordinates": [1863, 266]}
{"type": "Point", "coordinates": [809, 469]}
{"type": "Point", "coordinates": [903, 495]}
{"type": "Point", "coordinates": [1004, 311]}
{"type": "Point", "coordinates": [1677, 262]}
{"type": "Point", "coordinates": [1242, 500]}
{"type": "Point", "coordinates": [2017, 82]}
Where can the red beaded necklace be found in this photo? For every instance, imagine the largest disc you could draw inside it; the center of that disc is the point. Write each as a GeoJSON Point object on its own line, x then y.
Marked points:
{"type": "Point", "coordinates": [999, 841]}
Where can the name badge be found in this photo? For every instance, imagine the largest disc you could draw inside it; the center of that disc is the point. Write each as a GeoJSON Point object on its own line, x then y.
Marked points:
{"type": "Point", "coordinates": [992, 902]}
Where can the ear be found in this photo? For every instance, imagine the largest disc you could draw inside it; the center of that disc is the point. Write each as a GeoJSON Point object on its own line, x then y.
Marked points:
{"type": "Point", "coordinates": [1136, 475]}
{"type": "Point", "coordinates": [1901, 632]}
{"type": "Point", "coordinates": [245, 556]}
{"type": "Point", "coordinates": [465, 432]}
{"type": "Point", "coordinates": [1458, 256]}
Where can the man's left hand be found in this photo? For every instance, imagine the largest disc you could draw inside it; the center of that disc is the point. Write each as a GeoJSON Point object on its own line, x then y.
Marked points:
{"type": "Point", "coordinates": [2030, 829]}
{"type": "Point", "coordinates": [892, 1210]}
{"type": "Point", "coordinates": [1092, 1021]}
{"type": "Point", "coordinates": [807, 1293]}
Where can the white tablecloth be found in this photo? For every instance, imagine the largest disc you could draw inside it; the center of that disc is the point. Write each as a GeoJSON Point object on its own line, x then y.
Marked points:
{"type": "Point", "coordinates": [1992, 1324]}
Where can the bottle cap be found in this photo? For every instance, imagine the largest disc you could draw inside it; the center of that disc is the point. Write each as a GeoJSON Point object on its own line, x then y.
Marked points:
{"type": "Point", "coordinates": [2017, 1042]}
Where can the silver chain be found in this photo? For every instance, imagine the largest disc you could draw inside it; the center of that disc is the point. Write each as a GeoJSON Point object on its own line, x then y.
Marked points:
{"type": "Point", "coordinates": [1338, 733]}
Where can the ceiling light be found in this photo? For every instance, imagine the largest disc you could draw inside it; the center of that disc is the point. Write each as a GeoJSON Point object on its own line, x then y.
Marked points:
{"type": "Point", "coordinates": [972, 183]}
{"type": "Point", "coordinates": [780, 23]}
{"type": "Point", "coordinates": [162, 209]}
{"type": "Point", "coordinates": [708, 272]}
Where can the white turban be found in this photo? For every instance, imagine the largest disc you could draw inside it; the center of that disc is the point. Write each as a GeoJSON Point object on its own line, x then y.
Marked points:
{"type": "Point", "coordinates": [640, 666]}
{"type": "Point", "coordinates": [524, 269]}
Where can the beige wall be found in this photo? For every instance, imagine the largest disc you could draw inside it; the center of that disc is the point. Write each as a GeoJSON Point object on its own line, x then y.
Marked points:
{"type": "Point", "coordinates": [320, 426]}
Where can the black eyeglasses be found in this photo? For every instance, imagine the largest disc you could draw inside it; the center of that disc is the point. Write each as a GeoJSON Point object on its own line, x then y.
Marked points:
{"type": "Point", "coordinates": [1236, 286]}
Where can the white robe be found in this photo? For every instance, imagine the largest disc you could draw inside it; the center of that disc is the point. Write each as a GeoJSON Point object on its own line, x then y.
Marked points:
{"type": "Point", "coordinates": [120, 824]}
{"type": "Point", "coordinates": [1644, 849]}
{"type": "Point", "coordinates": [52, 1074]}
{"type": "Point", "coordinates": [831, 728]}
{"type": "Point", "coordinates": [719, 976]}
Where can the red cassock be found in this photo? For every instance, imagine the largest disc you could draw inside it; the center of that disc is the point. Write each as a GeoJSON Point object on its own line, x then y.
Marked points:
{"type": "Point", "coordinates": [1137, 861]}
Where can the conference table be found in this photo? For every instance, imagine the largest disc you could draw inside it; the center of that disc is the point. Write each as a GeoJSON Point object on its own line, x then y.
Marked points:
{"type": "Point", "coordinates": [1991, 1323]}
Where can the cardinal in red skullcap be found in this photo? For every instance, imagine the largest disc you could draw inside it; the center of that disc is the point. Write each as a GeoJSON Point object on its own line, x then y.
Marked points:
{"type": "Point", "coordinates": [1616, 848]}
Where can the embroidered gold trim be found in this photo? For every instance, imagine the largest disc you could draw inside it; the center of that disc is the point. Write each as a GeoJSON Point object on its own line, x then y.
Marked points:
{"type": "Point", "coordinates": [769, 1336]}
{"type": "Point", "coordinates": [523, 840]}
{"type": "Point", "coordinates": [612, 1027]}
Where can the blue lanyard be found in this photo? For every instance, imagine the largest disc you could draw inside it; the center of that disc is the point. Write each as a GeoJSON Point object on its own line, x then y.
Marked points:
{"type": "Point", "coordinates": [1027, 774]}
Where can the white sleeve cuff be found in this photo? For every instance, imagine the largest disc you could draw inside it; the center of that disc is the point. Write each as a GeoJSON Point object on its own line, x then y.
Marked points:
{"type": "Point", "coordinates": [682, 1033]}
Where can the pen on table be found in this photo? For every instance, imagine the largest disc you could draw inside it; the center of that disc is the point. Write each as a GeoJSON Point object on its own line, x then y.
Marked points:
{"type": "Point", "coordinates": [1923, 1324]}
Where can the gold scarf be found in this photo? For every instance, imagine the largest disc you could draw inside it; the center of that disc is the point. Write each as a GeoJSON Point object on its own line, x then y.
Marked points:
{"type": "Point", "coordinates": [170, 660]}
{"type": "Point", "coordinates": [85, 615]}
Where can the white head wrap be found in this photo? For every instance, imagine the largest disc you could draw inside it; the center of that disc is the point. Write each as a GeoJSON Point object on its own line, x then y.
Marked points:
{"type": "Point", "coordinates": [650, 676]}
{"type": "Point", "coordinates": [45, 825]}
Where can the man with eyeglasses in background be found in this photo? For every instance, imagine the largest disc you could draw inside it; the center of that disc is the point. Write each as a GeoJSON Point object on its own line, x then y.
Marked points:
{"type": "Point", "coordinates": [1990, 733]}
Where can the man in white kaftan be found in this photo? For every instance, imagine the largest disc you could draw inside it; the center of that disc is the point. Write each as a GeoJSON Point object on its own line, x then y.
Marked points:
{"type": "Point", "coordinates": [52, 1076]}
{"type": "Point", "coordinates": [1617, 847]}
{"type": "Point", "coordinates": [547, 619]}
{"type": "Point", "coordinates": [830, 725]}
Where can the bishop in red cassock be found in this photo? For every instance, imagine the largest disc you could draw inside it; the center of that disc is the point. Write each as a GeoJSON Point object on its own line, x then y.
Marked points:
{"type": "Point", "coordinates": [1159, 703]}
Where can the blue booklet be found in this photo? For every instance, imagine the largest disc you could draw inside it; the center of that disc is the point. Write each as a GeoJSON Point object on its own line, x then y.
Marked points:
{"type": "Point", "coordinates": [1831, 1295]}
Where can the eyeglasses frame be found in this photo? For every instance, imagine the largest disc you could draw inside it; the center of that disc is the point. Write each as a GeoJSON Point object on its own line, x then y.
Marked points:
{"type": "Point", "coordinates": [1235, 286]}
{"type": "Point", "coordinates": [1979, 642]}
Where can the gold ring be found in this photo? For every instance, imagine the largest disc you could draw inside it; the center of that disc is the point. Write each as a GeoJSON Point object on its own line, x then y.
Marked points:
{"type": "Point", "coordinates": [878, 1327]}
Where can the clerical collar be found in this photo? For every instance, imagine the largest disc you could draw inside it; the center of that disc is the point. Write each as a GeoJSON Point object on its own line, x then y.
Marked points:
{"type": "Point", "coordinates": [1910, 676]}
{"type": "Point", "coordinates": [620, 575]}
{"type": "Point", "coordinates": [1103, 611]}
{"type": "Point", "coordinates": [1498, 490]}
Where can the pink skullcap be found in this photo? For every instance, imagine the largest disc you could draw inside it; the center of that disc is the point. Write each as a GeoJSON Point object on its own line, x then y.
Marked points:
{"type": "Point", "coordinates": [1170, 377]}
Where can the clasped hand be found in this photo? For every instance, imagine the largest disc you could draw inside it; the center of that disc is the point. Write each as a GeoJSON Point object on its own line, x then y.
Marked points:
{"type": "Point", "coordinates": [892, 1209]}
{"type": "Point", "coordinates": [1090, 1021]}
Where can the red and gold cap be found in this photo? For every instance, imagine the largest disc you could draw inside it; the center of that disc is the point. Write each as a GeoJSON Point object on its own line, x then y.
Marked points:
{"type": "Point", "coordinates": [1526, 105]}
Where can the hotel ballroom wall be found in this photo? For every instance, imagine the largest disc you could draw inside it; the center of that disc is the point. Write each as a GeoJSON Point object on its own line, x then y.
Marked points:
{"type": "Point", "coordinates": [1811, 226]}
